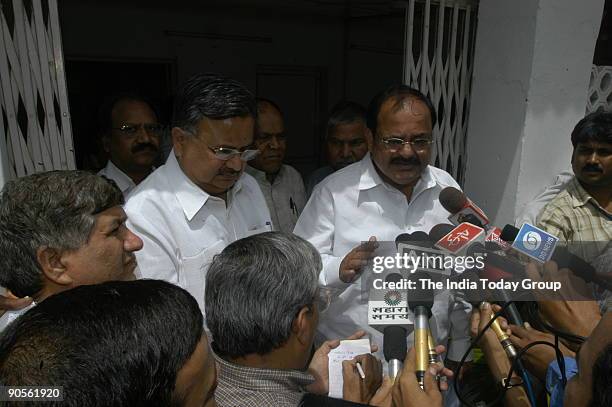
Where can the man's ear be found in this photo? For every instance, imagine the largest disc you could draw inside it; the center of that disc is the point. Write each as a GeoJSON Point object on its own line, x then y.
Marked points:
{"type": "Point", "coordinates": [52, 265]}
{"type": "Point", "coordinates": [369, 139]}
{"type": "Point", "coordinates": [178, 140]}
{"type": "Point", "coordinates": [302, 325]}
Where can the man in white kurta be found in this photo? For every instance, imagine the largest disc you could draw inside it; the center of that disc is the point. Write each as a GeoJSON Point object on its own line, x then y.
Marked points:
{"type": "Point", "coordinates": [391, 191]}
{"type": "Point", "coordinates": [197, 203]}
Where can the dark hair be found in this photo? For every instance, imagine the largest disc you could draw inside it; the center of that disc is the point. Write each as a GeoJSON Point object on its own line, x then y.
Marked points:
{"type": "Point", "coordinates": [254, 290]}
{"type": "Point", "coordinates": [55, 209]}
{"type": "Point", "coordinates": [345, 112]}
{"type": "Point", "coordinates": [399, 93]}
{"type": "Point", "coordinates": [259, 101]}
{"type": "Point", "coordinates": [213, 96]}
{"type": "Point", "coordinates": [112, 344]}
{"type": "Point", "coordinates": [602, 380]}
{"type": "Point", "coordinates": [594, 126]}
{"type": "Point", "coordinates": [105, 112]}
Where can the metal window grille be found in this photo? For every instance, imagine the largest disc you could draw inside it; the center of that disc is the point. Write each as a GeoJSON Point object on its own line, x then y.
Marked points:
{"type": "Point", "coordinates": [600, 89]}
{"type": "Point", "coordinates": [438, 60]}
{"type": "Point", "coordinates": [34, 118]}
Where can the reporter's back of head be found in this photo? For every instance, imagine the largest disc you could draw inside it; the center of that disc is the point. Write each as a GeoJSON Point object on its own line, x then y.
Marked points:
{"type": "Point", "coordinates": [136, 343]}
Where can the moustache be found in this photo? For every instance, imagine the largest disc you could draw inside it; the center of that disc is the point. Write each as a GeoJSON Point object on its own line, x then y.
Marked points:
{"type": "Point", "coordinates": [592, 168]}
{"type": "Point", "coordinates": [404, 161]}
{"type": "Point", "coordinates": [144, 147]}
{"type": "Point", "coordinates": [229, 173]}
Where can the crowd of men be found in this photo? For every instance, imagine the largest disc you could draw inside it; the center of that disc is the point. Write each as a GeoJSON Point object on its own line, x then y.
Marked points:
{"type": "Point", "coordinates": [246, 278]}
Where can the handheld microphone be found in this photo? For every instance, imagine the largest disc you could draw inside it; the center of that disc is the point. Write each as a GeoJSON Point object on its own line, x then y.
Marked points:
{"type": "Point", "coordinates": [503, 338]}
{"type": "Point", "coordinates": [421, 308]}
{"type": "Point", "coordinates": [388, 313]}
{"type": "Point", "coordinates": [531, 243]}
{"type": "Point", "coordinates": [459, 206]}
{"type": "Point", "coordinates": [418, 248]}
{"type": "Point", "coordinates": [458, 240]}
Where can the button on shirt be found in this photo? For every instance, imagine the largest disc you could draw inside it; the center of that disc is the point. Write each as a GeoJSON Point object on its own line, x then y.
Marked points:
{"type": "Point", "coordinates": [183, 227]}
{"type": "Point", "coordinates": [285, 196]}
{"type": "Point", "coordinates": [123, 181]}
{"type": "Point", "coordinates": [353, 204]}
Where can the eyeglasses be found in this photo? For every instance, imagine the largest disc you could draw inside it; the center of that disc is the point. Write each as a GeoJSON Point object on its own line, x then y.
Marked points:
{"type": "Point", "coordinates": [226, 153]}
{"type": "Point", "coordinates": [132, 129]}
{"type": "Point", "coordinates": [394, 144]}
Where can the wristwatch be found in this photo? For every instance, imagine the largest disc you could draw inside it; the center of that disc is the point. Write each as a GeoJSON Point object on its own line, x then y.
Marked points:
{"type": "Point", "coordinates": [513, 382]}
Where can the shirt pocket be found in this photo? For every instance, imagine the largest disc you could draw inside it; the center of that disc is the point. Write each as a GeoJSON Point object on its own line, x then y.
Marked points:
{"type": "Point", "coordinates": [192, 271]}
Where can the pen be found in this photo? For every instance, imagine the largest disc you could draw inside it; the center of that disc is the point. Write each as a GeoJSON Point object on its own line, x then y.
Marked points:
{"type": "Point", "coordinates": [292, 206]}
{"type": "Point", "coordinates": [360, 370]}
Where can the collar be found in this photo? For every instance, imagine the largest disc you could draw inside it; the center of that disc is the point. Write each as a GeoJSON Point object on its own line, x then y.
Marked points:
{"type": "Point", "coordinates": [191, 197]}
{"type": "Point", "coordinates": [123, 181]}
{"type": "Point", "coordinates": [260, 176]}
{"type": "Point", "coordinates": [370, 178]}
{"type": "Point", "coordinates": [262, 379]}
{"type": "Point", "coordinates": [579, 196]}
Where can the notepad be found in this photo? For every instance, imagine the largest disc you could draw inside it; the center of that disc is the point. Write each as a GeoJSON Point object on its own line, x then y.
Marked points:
{"type": "Point", "coordinates": [347, 350]}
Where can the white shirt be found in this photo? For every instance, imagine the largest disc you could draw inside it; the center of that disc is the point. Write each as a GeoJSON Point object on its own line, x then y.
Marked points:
{"type": "Point", "coordinates": [182, 227]}
{"type": "Point", "coordinates": [532, 209]}
{"type": "Point", "coordinates": [123, 181]}
{"type": "Point", "coordinates": [353, 204]}
{"type": "Point", "coordinates": [9, 316]}
{"type": "Point", "coordinates": [285, 196]}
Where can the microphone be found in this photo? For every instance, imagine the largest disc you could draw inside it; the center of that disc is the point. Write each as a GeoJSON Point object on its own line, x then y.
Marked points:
{"type": "Point", "coordinates": [533, 241]}
{"type": "Point", "coordinates": [503, 338]}
{"type": "Point", "coordinates": [420, 306]}
{"type": "Point", "coordinates": [388, 313]}
{"type": "Point", "coordinates": [459, 206]}
{"type": "Point", "coordinates": [418, 248]}
{"type": "Point", "coordinates": [459, 239]}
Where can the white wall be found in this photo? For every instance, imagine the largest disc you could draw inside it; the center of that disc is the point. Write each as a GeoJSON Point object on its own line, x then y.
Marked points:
{"type": "Point", "coordinates": [532, 65]}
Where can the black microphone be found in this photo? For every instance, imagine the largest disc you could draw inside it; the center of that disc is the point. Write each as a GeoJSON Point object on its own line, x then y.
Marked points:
{"type": "Point", "coordinates": [394, 340]}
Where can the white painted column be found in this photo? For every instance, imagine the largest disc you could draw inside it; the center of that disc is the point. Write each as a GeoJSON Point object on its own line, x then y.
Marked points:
{"type": "Point", "coordinates": [532, 65]}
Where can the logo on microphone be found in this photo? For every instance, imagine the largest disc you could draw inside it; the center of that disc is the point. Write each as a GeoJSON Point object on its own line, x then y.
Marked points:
{"type": "Point", "coordinates": [459, 238]}
{"type": "Point", "coordinates": [393, 298]}
{"type": "Point", "coordinates": [532, 240]}
{"type": "Point", "coordinates": [535, 243]}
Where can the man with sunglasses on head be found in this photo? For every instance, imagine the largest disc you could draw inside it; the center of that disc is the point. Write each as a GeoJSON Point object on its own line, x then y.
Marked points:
{"type": "Point", "coordinates": [392, 190]}
{"type": "Point", "coordinates": [200, 200]}
{"type": "Point", "coordinates": [281, 184]}
{"type": "Point", "coordinates": [131, 135]}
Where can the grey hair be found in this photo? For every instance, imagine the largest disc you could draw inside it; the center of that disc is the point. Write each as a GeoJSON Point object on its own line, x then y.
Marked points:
{"type": "Point", "coordinates": [55, 209]}
{"type": "Point", "coordinates": [255, 289]}
{"type": "Point", "coordinates": [213, 96]}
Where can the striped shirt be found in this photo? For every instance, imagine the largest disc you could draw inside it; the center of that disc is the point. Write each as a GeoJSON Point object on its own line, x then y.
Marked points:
{"type": "Point", "coordinates": [577, 219]}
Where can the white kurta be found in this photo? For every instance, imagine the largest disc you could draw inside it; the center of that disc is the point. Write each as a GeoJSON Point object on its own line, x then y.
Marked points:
{"type": "Point", "coordinates": [182, 227]}
{"type": "Point", "coordinates": [353, 204]}
{"type": "Point", "coordinates": [123, 181]}
{"type": "Point", "coordinates": [285, 196]}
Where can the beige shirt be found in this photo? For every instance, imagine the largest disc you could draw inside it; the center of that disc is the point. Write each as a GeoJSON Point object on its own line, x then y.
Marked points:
{"type": "Point", "coordinates": [577, 219]}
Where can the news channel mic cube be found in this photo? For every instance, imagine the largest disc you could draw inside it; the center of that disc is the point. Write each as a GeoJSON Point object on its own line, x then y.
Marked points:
{"type": "Point", "coordinates": [535, 243]}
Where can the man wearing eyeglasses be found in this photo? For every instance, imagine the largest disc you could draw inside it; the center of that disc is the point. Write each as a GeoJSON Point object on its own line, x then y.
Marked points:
{"type": "Point", "coordinates": [131, 136]}
{"type": "Point", "coordinates": [392, 190]}
{"type": "Point", "coordinates": [281, 184]}
{"type": "Point", "coordinates": [197, 203]}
